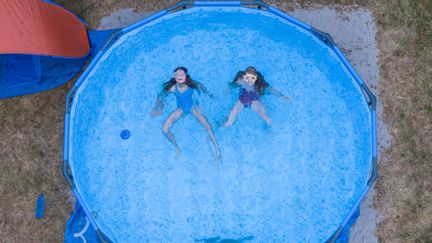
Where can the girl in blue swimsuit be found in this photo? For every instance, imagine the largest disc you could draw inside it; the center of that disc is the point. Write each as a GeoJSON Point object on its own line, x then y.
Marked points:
{"type": "Point", "coordinates": [252, 86]}
{"type": "Point", "coordinates": [183, 87]}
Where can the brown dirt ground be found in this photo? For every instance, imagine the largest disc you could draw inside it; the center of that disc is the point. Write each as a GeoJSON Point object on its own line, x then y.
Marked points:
{"type": "Point", "coordinates": [31, 128]}
{"type": "Point", "coordinates": [405, 183]}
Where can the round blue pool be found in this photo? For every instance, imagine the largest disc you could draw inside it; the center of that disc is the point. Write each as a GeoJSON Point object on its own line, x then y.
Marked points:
{"type": "Point", "coordinates": [292, 182]}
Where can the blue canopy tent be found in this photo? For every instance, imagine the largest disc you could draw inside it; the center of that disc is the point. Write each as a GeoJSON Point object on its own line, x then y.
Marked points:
{"type": "Point", "coordinates": [43, 46]}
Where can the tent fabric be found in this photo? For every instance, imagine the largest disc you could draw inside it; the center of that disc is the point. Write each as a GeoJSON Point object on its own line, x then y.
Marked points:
{"type": "Point", "coordinates": [98, 38]}
{"type": "Point", "coordinates": [43, 46]}
{"type": "Point", "coordinates": [28, 74]}
{"type": "Point", "coordinates": [41, 28]}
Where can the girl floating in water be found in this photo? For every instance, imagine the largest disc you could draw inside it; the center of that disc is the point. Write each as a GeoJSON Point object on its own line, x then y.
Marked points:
{"type": "Point", "coordinates": [183, 87]}
{"type": "Point", "coordinates": [252, 86]}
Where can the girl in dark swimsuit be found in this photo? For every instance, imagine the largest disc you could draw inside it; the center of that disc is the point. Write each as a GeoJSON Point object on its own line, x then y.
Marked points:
{"type": "Point", "coordinates": [183, 87]}
{"type": "Point", "coordinates": [252, 86]}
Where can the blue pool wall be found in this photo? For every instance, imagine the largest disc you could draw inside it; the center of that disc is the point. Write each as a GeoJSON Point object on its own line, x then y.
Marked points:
{"type": "Point", "coordinates": [342, 234]}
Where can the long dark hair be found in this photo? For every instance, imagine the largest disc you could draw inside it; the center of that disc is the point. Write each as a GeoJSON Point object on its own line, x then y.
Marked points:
{"type": "Point", "coordinates": [260, 84]}
{"type": "Point", "coordinates": [189, 81]}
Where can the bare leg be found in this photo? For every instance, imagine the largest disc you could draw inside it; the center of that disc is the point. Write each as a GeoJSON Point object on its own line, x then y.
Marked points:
{"type": "Point", "coordinates": [258, 107]}
{"type": "Point", "coordinates": [201, 118]}
{"type": "Point", "coordinates": [233, 113]}
{"type": "Point", "coordinates": [173, 117]}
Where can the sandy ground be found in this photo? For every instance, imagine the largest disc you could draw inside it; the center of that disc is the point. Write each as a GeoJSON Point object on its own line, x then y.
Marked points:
{"type": "Point", "coordinates": [31, 127]}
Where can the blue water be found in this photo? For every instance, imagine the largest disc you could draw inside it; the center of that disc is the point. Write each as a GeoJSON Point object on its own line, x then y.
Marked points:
{"type": "Point", "coordinates": [292, 182]}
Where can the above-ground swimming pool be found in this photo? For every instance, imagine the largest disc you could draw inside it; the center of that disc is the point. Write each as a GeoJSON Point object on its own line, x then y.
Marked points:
{"type": "Point", "coordinates": [295, 181]}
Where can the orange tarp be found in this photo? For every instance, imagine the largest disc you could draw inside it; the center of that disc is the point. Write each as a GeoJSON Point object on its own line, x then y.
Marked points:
{"type": "Point", "coordinates": [40, 28]}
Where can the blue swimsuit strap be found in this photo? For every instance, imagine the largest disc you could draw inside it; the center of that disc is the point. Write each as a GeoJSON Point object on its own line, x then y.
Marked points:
{"type": "Point", "coordinates": [178, 91]}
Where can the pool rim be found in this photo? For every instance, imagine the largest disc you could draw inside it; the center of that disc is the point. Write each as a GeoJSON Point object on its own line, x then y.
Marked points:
{"type": "Point", "coordinates": [259, 6]}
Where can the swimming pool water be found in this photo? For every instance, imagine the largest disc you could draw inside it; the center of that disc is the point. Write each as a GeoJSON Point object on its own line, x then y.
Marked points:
{"type": "Point", "coordinates": [292, 182]}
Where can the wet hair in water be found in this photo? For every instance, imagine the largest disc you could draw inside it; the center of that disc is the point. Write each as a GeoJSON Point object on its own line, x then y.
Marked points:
{"type": "Point", "coordinates": [189, 81]}
{"type": "Point", "coordinates": [260, 84]}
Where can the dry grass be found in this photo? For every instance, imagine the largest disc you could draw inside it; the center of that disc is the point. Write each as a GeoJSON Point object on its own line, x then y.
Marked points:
{"type": "Point", "coordinates": [405, 183]}
{"type": "Point", "coordinates": [31, 129]}
{"type": "Point", "coordinates": [92, 10]}
{"type": "Point", "coordinates": [31, 135]}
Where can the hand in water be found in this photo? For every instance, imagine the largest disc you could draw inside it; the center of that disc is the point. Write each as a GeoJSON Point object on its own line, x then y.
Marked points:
{"type": "Point", "coordinates": [287, 98]}
{"type": "Point", "coordinates": [155, 112]}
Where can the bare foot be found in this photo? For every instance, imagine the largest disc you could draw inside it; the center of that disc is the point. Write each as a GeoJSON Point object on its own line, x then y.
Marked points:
{"type": "Point", "coordinates": [227, 124]}
{"type": "Point", "coordinates": [218, 156]}
{"type": "Point", "coordinates": [268, 121]}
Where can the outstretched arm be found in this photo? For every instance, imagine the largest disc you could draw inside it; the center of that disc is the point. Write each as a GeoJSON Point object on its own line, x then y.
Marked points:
{"type": "Point", "coordinates": [203, 89]}
{"type": "Point", "coordinates": [158, 107]}
{"type": "Point", "coordinates": [237, 79]}
{"type": "Point", "coordinates": [271, 90]}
